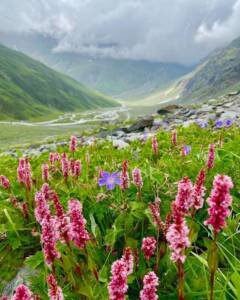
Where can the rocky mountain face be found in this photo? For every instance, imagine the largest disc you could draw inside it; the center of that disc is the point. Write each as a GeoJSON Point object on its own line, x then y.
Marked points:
{"type": "Point", "coordinates": [218, 74]}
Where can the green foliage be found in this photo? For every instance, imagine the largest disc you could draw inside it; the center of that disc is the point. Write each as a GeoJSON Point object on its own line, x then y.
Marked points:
{"type": "Point", "coordinates": [117, 219]}
{"type": "Point", "coordinates": [29, 89]}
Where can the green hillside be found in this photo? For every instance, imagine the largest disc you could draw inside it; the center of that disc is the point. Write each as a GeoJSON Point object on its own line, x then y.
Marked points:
{"type": "Point", "coordinates": [119, 78]}
{"type": "Point", "coordinates": [29, 89]}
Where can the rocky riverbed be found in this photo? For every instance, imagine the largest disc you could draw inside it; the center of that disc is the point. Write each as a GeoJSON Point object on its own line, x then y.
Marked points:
{"type": "Point", "coordinates": [224, 111]}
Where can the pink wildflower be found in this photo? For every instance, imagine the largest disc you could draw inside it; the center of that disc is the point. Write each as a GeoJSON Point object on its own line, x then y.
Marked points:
{"type": "Point", "coordinates": [150, 283]}
{"type": "Point", "coordinates": [177, 235]}
{"type": "Point", "coordinates": [199, 191]}
{"type": "Point", "coordinates": [219, 201]}
{"type": "Point", "coordinates": [45, 172]}
{"type": "Point", "coordinates": [62, 221]}
{"type": "Point", "coordinates": [117, 287]}
{"type": "Point", "coordinates": [53, 157]}
{"type": "Point", "coordinates": [24, 173]}
{"type": "Point", "coordinates": [124, 176]}
{"type": "Point", "coordinates": [22, 293]}
{"type": "Point", "coordinates": [42, 209]}
{"type": "Point", "coordinates": [73, 144]}
{"type": "Point", "coordinates": [54, 291]}
{"type": "Point", "coordinates": [45, 189]}
{"type": "Point", "coordinates": [79, 234]}
{"type": "Point", "coordinates": [174, 137]}
{"type": "Point", "coordinates": [76, 168]}
{"type": "Point", "coordinates": [65, 167]}
{"type": "Point", "coordinates": [49, 239]}
{"type": "Point", "coordinates": [184, 195]}
{"type": "Point", "coordinates": [211, 156]}
{"type": "Point", "coordinates": [137, 178]}
{"type": "Point", "coordinates": [128, 258]}
{"type": "Point", "coordinates": [4, 182]}
{"type": "Point", "coordinates": [155, 212]}
{"type": "Point", "coordinates": [155, 145]}
{"type": "Point", "coordinates": [4, 297]}
{"type": "Point", "coordinates": [149, 246]}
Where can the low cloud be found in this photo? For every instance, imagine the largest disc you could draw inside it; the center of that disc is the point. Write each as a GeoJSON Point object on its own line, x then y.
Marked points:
{"type": "Point", "coordinates": [181, 31]}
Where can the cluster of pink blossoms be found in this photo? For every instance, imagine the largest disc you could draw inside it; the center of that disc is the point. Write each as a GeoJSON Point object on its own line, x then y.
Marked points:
{"type": "Point", "coordinates": [211, 157]}
{"type": "Point", "coordinates": [174, 137]}
{"type": "Point", "coordinates": [199, 191]}
{"type": "Point", "coordinates": [54, 291]}
{"type": "Point", "coordinates": [45, 172]}
{"type": "Point", "coordinates": [124, 176]}
{"type": "Point", "coordinates": [73, 143]}
{"type": "Point", "coordinates": [24, 173]}
{"type": "Point", "coordinates": [150, 284]}
{"type": "Point", "coordinates": [155, 212]}
{"type": "Point", "coordinates": [137, 178]}
{"type": "Point", "coordinates": [54, 157]}
{"type": "Point", "coordinates": [22, 292]}
{"type": "Point", "coordinates": [149, 246]}
{"type": "Point", "coordinates": [219, 201]}
{"type": "Point", "coordinates": [4, 182]}
{"type": "Point", "coordinates": [78, 232]}
{"type": "Point", "coordinates": [154, 145]}
{"type": "Point", "coordinates": [117, 287]}
{"type": "Point", "coordinates": [177, 233]}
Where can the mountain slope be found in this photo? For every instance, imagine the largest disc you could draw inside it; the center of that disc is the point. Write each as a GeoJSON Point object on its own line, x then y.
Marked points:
{"type": "Point", "coordinates": [218, 74]}
{"type": "Point", "coordinates": [118, 78]}
{"type": "Point", "coordinates": [29, 89]}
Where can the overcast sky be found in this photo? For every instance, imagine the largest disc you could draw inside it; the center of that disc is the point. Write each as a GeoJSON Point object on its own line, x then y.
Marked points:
{"type": "Point", "coordinates": [158, 30]}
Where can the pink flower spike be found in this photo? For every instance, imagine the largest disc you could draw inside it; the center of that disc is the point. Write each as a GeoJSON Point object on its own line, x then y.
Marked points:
{"type": "Point", "coordinates": [155, 212]}
{"type": "Point", "coordinates": [149, 246]}
{"type": "Point", "coordinates": [124, 176]}
{"type": "Point", "coordinates": [174, 137]}
{"type": "Point", "coordinates": [79, 234]}
{"type": "Point", "coordinates": [199, 190]}
{"type": "Point", "coordinates": [155, 145]}
{"type": "Point", "coordinates": [211, 157]}
{"type": "Point", "coordinates": [49, 239]}
{"type": "Point", "coordinates": [137, 178]}
{"type": "Point", "coordinates": [4, 182]}
{"type": "Point", "coordinates": [77, 168]}
{"type": "Point", "coordinates": [184, 196]}
{"type": "Point", "coordinates": [45, 172]}
{"type": "Point", "coordinates": [22, 293]}
{"type": "Point", "coordinates": [65, 167]}
{"type": "Point", "coordinates": [73, 144]}
{"type": "Point", "coordinates": [128, 258]}
{"type": "Point", "coordinates": [219, 202]}
{"type": "Point", "coordinates": [117, 287]}
{"type": "Point", "coordinates": [150, 284]}
{"type": "Point", "coordinates": [54, 291]}
{"type": "Point", "coordinates": [42, 209]}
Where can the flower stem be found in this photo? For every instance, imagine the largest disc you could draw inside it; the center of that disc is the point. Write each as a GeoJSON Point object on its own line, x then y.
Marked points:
{"type": "Point", "coordinates": [214, 267]}
{"type": "Point", "coordinates": [180, 281]}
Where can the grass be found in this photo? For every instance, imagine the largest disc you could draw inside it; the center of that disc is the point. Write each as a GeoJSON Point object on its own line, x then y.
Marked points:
{"type": "Point", "coordinates": [29, 89]}
{"type": "Point", "coordinates": [122, 219]}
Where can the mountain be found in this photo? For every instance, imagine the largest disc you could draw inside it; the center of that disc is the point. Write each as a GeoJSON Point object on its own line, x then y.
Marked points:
{"type": "Point", "coordinates": [117, 78]}
{"type": "Point", "coordinates": [217, 74]}
{"type": "Point", "coordinates": [29, 89]}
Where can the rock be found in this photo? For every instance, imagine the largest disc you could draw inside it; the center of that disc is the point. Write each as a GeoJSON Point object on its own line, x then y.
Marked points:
{"type": "Point", "coordinates": [168, 109]}
{"type": "Point", "coordinates": [120, 144]}
{"type": "Point", "coordinates": [141, 124]}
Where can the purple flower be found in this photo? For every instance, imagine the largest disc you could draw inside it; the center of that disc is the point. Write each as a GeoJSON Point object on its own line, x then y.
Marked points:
{"type": "Point", "coordinates": [109, 180]}
{"type": "Point", "coordinates": [228, 123]}
{"type": "Point", "coordinates": [202, 123]}
{"type": "Point", "coordinates": [186, 149]}
{"type": "Point", "coordinates": [219, 124]}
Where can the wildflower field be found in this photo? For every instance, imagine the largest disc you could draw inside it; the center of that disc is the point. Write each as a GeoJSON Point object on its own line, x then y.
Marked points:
{"type": "Point", "coordinates": [157, 220]}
